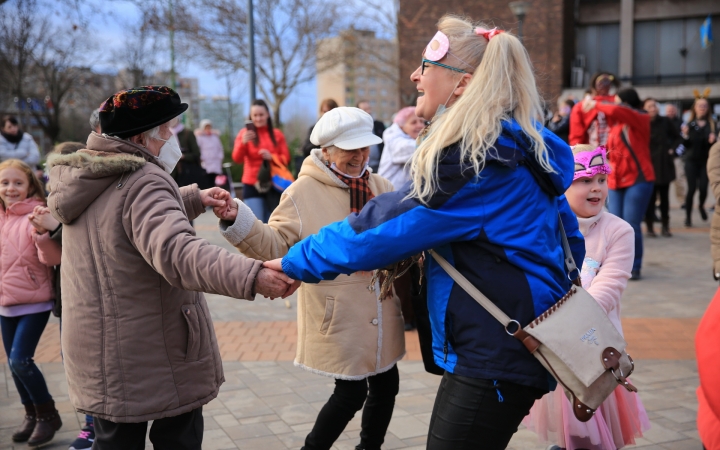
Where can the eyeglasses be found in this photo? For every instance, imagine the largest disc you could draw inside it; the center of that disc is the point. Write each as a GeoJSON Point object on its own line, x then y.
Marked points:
{"type": "Point", "coordinates": [435, 63]}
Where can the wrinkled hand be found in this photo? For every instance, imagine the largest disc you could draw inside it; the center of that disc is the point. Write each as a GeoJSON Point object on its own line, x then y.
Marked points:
{"type": "Point", "coordinates": [215, 197]}
{"type": "Point", "coordinates": [227, 212]}
{"type": "Point", "coordinates": [276, 264]}
{"type": "Point", "coordinates": [266, 155]}
{"type": "Point", "coordinates": [42, 220]}
{"type": "Point", "coordinates": [248, 136]}
{"type": "Point", "coordinates": [273, 284]}
{"type": "Point", "coordinates": [684, 129]}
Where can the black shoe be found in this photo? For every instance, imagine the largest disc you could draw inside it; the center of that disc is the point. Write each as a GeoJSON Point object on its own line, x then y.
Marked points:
{"type": "Point", "coordinates": [703, 214]}
{"type": "Point", "coordinates": [688, 223]}
{"type": "Point", "coordinates": [666, 231]}
{"type": "Point", "coordinates": [635, 275]}
{"type": "Point", "coordinates": [682, 206]}
{"type": "Point", "coordinates": [651, 233]}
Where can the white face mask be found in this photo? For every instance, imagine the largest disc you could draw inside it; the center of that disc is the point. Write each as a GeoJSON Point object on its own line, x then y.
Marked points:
{"type": "Point", "coordinates": [334, 167]}
{"type": "Point", "coordinates": [170, 153]}
{"type": "Point", "coordinates": [442, 108]}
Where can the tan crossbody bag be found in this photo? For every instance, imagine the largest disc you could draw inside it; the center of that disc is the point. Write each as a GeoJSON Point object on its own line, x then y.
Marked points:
{"type": "Point", "coordinates": [574, 340]}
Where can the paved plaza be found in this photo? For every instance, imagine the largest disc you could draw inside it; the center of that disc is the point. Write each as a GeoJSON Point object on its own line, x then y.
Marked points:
{"type": "Point", "coordinates": [266, 403]}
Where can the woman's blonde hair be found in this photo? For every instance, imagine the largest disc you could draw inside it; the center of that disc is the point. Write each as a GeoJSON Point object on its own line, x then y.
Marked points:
{"type": "Point", "coordinates": [35, 189]}
{"type": "Point", "coordinates": [502, 87]}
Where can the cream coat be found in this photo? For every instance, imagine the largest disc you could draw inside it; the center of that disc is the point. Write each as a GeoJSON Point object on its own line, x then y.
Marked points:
{"type": "Point", "coordinates": [344, 331]}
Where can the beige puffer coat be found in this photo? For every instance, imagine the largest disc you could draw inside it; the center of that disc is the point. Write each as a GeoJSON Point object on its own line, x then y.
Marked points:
{"type": "Point", "coordinates": [137, 339]}
{"type": "Point", "coordinates": [344, 331]}
{"type": "Point", "coordinates": [713, 171]}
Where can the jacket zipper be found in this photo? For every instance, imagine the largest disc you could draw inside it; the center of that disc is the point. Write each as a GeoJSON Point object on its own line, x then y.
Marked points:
{"type": "Point", "coordinates": [445, 350]}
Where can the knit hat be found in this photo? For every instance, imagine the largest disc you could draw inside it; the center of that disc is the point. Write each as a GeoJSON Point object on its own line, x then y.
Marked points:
{"type": "Point", "coordinates": [346, 128]}
{"type": "Point", "coordinates": [133, 111]}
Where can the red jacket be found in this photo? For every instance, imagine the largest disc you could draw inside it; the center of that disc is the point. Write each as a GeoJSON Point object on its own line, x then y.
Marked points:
{"type": "Point", "coordinates": [248, 154]}
{"type": "Point", "coordinates": [636, 127]}
{"type": "Point", "coordinates": [708, 353]}
{"type": "Point", "coordinates": [580, 120]}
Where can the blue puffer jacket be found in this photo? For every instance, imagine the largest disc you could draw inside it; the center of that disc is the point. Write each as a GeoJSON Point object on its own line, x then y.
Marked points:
{"type": "Point", "coordinates": [499, 229]}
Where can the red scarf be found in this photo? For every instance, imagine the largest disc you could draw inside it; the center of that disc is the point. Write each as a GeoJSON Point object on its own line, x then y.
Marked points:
{"type": "Point", "coordinates": [360, 192]}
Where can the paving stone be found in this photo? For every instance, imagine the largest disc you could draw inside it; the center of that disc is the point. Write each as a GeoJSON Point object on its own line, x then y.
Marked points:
{"type": "Point", "coordinates": [406, 427]}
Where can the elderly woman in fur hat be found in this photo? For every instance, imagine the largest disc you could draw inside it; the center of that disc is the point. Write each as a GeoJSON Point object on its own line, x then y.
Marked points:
{"type": "Point", "coordinates": [345, 330]}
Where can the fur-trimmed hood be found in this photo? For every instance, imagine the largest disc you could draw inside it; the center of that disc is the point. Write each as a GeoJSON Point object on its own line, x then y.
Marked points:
{"type": "Point", "coordinates": [77, 179]}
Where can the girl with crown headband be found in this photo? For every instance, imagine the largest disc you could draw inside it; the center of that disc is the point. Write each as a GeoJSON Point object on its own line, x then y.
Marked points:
{"type": "Point", "coordinates": [487, 185]}
{"type": "Point", "coordinates": [609, 249]}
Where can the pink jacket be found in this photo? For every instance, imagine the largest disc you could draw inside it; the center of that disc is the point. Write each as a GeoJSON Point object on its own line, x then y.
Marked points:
{"type": "Point", "coordinates": [25, 257]}
{"type": "Point", "coordinates": [609, 254]}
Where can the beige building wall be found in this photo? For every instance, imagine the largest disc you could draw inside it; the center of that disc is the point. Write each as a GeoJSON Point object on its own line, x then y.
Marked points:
{"type": "Point", "coordinates": [358, 66]}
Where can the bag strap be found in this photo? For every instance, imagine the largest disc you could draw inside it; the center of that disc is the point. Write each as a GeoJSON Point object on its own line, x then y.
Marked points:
{"type": "Point", "coordinates": [485, 302]}
{"type": "Point", "coordinates": [626, 141]}
{"type": "Point", "coordinates": [473, 291]}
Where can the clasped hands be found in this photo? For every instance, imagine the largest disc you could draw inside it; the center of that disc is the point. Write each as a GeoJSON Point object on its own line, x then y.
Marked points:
{"type": "Point", "coordinates": [271, 281]}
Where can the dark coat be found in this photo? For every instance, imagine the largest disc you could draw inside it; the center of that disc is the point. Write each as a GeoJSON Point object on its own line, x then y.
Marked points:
{"type": "Point", "coordinates": [56, 236]}
{"type": "Point", "coordinates": [664, 139]}
{"type": "Point", "coordinates": [561, 128]}
{"type": "Point", "coordinates": [697, 145]}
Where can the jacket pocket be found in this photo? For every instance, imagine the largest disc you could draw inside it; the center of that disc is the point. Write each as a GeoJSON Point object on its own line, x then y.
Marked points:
{"type": "Point", "coordinates": [193, 322]}
{"type": "Point", "coordinates": [329, 307]}
{"type": "Point", "coordinates": [32, 277]}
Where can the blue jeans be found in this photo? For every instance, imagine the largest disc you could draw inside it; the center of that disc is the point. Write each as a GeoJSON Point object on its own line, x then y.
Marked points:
{"type": "Point", "coordinates": [20, 336]}
{"type": "Point", "coordinates": [630, 205]}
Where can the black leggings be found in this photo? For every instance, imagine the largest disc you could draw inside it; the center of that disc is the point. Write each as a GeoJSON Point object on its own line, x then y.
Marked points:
{"type": "Point", "coordinates": [469, 413]}
{"type": "Point", "coordinates": [183, 432]}
{"type": "Point", "coordinates": [662, 191]}
{"type": "Point", "coordinates": [347, 399]}
{"type": "Point", "coordinates": [697, 178]}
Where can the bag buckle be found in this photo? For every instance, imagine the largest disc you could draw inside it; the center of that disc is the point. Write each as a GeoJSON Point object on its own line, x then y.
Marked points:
{"type": "Point", "coordinates": [508, 326]}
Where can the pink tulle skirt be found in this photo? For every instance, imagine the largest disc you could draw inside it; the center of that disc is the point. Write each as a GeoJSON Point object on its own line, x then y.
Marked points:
{"type": "Point", "coordinates": [616, 423]}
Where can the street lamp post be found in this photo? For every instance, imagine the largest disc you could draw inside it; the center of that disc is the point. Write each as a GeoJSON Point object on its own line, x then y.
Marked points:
{"type": "Point", "coordinates": [520, 9]}
{"type": "Point", "coordinates": [251, 44]}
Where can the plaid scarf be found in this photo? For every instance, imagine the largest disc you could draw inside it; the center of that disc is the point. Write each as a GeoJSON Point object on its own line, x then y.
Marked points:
{"type": "Point", "coordinates": [360, 192]}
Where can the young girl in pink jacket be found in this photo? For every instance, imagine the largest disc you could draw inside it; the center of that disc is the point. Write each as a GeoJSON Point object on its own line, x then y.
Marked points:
{"type": "Point", "coordinates": [26, 296]}
{"type": "Point", "coordinates": [610, 249]}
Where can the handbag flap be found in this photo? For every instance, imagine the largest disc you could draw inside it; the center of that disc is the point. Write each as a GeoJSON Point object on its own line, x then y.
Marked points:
{"type": "Point", "coordinates": [578, 330]}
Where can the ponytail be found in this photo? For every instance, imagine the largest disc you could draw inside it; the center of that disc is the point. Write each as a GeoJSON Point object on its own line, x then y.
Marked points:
{"type": "Point", "coordinates": [501, 88]}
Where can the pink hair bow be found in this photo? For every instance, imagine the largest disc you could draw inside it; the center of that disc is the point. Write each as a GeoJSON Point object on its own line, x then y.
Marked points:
{"type": "Point", "coordinates": [488, 34]}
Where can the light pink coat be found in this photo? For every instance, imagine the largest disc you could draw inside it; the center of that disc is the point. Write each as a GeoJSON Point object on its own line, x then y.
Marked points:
{"type": "Point", "coordinates": [25, 257]}
{"type": "Point", "coordinates": [609, 254]}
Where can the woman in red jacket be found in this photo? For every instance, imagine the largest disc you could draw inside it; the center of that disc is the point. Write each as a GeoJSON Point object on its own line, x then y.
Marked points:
{"type": "Point", "coordinates": [589, 126]}
{"type": "Point", "coordinates": [632, 179]}
{"type": "Point", "coordinates": [251, 149]}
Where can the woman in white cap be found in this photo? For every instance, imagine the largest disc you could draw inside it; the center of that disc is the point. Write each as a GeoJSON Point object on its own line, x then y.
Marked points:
{"type": "Point", "coordinates": [211, 150]}
{"type": "Point", "coordinates": [345, 331]}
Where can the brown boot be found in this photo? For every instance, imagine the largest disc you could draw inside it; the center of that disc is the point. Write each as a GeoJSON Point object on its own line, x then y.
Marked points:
{"type": "Point", "coordinates": [48, 422]}
{"type": "Point", "coordinates": [23, 432]}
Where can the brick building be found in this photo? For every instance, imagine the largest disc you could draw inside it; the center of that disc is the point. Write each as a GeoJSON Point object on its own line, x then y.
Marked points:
{"type": "Point", "coordinates": [653, 45]}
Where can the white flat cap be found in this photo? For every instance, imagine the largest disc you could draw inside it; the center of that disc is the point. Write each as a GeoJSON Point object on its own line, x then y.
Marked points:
{"type": "Point", "coordinates": [346, 128]}
{"type": "Point", "coordinates": [204, 123]}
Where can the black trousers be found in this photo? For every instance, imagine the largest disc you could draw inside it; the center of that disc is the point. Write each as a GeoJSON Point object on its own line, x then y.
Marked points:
{"type": "Point", "coordinates": [346, 400]}
{"type": "Point", "coordinates": [662, 191]}
{"type": "Point", "coordinates": [697, 179]}
{"type": "Point", "coordinates": [469, 414]}
{"type": "Point", "coordinates": [183, 432]}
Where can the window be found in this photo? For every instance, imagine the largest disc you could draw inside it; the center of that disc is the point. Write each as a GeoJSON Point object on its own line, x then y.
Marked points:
{"type": "Point", "coordinates": [669, 51]}
{"type": "Point", "coordinates": [600, 47]}
{"type": "Point", "coordinates": [372, 79]}
{"type": "Point", "coordinates": [361, 92]}
{"type": "Point", "coordinates": [373, 92]}
{"type": "Point", "coordinates": [383, 92]}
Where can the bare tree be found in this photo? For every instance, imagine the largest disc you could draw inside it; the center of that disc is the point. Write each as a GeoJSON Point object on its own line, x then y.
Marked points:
{"type": "Point", "coordinates": [40, 61]}
{"type": "Point", "coordinates": [138, 55]}
{"type": "Point", "coordinates": [287, 32]}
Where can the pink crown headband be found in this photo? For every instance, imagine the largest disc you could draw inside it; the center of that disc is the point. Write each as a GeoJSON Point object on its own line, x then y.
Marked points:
{"type": "Point", "coordinates": [488, 34]}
